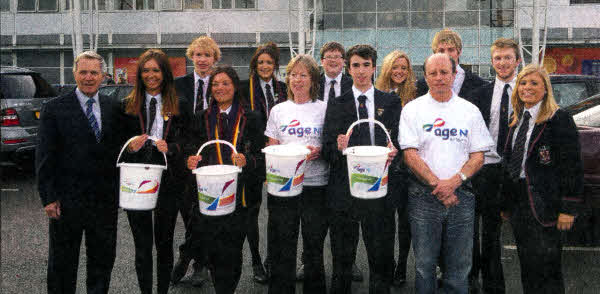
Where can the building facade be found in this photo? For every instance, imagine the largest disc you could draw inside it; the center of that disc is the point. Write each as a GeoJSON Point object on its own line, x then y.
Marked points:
{"type": "Point", "coordinates": [37, 33]}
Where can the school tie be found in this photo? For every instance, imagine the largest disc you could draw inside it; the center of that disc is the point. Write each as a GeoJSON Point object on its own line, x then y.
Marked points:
{"type": "Point", "coordinates": [89, 113]}
{"type": "Point", "coordinates": [516, 158]}
{"type": "Point", "coordinates": [332, 90]}
{"type": "Point", "coordinates": [364, 136]}
{"type": "Point", "coordinates": [199, 97]}
{"type": "Point", "coordinates": [223, 125]}
{"type": "Point", "coordinates": [270, 99]}
{"type": "Point", "coordinates": [503, 123]}
{"type": "Point", "coordinates": [152, 115]}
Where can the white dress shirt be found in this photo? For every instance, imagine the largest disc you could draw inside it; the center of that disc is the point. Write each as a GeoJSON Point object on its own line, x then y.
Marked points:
{"type": "Point", "coordinates": [533, 111]}
{"type": "Point", "coordinates": [492, 156]}
{"type": "Point", "coordinates": [157, 126]}
{"type": "Point", "coordinates": [95, 107]}
{"type": "Point", "coordinates": [370, 104]}
{"type": "Point", "coordinates": [263, 85]}
{"type": "Point", "coordinates": [337, 87]}
{"type": "Point", "coordinates": [458, 80]}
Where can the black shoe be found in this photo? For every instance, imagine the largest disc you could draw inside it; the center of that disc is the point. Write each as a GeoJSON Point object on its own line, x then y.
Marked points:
{"type": "Point", "coordinates": [199, 277]}
{"type": "Point", "coordinates": [356, 273]}
{"type": "Point", "coordinates": [179, 269]}
{"type": "Point", "coordinates": [399, 276]}
{"type": "Point", "coordinates": [260, 276]}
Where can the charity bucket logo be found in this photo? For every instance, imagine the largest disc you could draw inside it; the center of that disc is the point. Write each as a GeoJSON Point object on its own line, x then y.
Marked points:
{"type": "Point", "coordinates": [376, 182]}
{"type": "Point", "coordinates": [436, 124]}
{"type": "Point", "coordinates": [295, 128]}
{"type": "Point", "coordinates": [216, 202]}
{"type": "Point", "coordinates": [145, 187]}
{"type": "Point", "coordinates": [287, 183]}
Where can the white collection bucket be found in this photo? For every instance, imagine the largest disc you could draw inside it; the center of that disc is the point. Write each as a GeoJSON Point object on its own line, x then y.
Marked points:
{"type": "Point", "coordinates": [139, 183]}
{"type": "Point", "coordinates": [285, 169]}
{"type": "Point", "coordinates": [367, 167]}
{"type": "Point", "coordinates": [217, 185]}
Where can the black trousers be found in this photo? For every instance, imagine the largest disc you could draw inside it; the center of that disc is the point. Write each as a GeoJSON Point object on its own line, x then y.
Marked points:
{"type": "Point", "coordinates": [222, 238]}
{"type": "Point", "coordinates": [98, 221]}
{"type": "Point", "coordinates": [487, 253]}
{"type": "Point", "coordinates": [285, 216]}
{"type": "Point", "coordinates": [187, 205]}
{"type": "Point", "coordinates": [539, 247]}
{"type": "Point", "coordinates": [252, 232]}
{"type": "Point", "coordinates": [142, 224]}
{"type": "Point", "coordinates": [376, 219]}
{"type": "Point", "coordinates": [404, 236]}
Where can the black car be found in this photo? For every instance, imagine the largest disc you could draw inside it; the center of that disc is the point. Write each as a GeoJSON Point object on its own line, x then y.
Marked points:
{"type": "Point", "coordinates": [116, 91]}
{"type": "Point", "coordinates": [22, 94]}
{"type": "Point", "coordinates": [571, 89]}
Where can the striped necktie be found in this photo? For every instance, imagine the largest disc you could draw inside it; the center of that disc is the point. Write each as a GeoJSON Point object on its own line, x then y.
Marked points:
{"type": "Point", "coordinates": [89, 113]}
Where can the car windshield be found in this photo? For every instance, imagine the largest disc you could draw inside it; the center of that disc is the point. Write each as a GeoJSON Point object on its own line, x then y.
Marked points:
{"type": "Point", "coordinates": [567, 94]}
{"type": "Point", "coordinates": [25, 86]}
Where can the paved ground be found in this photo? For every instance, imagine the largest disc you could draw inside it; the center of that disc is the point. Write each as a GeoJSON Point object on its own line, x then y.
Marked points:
{"type": "Point", "coordinates": [24, 250]}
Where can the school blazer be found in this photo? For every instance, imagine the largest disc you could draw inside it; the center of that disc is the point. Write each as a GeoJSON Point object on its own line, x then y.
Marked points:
{"type": "Point", "coordinates": [340, 114]}
{"type": "Point", "coordinates": [345, 87]}
{"type": "Point", "coordinates": [259, 96]}
{"type": "Point", "coordinates": [553, 169]}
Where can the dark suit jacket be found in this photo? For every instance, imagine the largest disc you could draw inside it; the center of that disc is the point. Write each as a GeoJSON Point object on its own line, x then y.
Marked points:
{"type": "Point", "coordinates": [471, 82]}
{"type": "Point", "coordinates": [259, 96]}
{"type": "Point", "coordinates": [553, 169]}
{"type": "Point", "coordinates": [131, 125]}
{"type": "Point", "coordinates": [250, 143]}
{"type": "Point", "coordinates": [340, 114]}
{"type": "Point", "coordinates": [185, 89]}
{"type": "Point", "coordinates": [71, 165]}
{"type": "Point", "coordinates": [345, 87]}
{"type": "Point", "coordinates": [482, 98]}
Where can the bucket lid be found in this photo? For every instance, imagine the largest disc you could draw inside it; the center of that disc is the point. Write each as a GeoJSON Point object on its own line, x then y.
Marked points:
{"type": "Point", "coordinates": [144, 165]}
{"type": "Point", "coordinates": [287, 150]}
{"type": "Point", "coordinates": [367, 151]}
{"type": "Point", "coordinates": [216, 170]}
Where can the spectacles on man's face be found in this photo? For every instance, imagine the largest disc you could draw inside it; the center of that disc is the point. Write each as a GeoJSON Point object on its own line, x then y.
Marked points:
{"type": "Point", "coordinates": [332, 57]}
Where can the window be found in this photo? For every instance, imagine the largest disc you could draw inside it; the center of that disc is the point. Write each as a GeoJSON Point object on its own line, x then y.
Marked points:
{"type": "Point", "coordinates": [567, 94]}
{"type": "Point", "coordinates": [37, 5]}
{"type": "Point", "coordinates": [229, 4]}
{"type": "Point", "coordinates": [4, 5]}
{"type": "Point", "coordinates": [134, 4]}
{"type": "Point", "coordinates": [585, 2]}
{"type": "Point", "coordinates": [85, 4]}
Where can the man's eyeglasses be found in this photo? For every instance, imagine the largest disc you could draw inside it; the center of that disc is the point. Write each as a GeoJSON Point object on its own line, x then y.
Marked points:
{"type": "Point", "coordinates": [330, 57]}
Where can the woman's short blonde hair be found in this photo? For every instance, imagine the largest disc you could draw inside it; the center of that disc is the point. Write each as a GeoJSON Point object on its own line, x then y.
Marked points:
{"type": "Point", "coordinates": [313, 72]}
{"type": "Point", "coordinates": [408, 89]}
{"type": "Point", "coordinates": [549, 105]}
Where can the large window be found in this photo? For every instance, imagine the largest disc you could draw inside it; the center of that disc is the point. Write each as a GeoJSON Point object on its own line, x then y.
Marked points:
{"type": "Point", "coordinates": [585, 2]}
{"type": "Point", "coordinates": [177, 4]}
{"type": "Point", "coordinates": [37, 5]}
{"type": "Point", "coordinates": [229, 4]}
{"type": "Point", "coordinates": [134, 4]}
{"type": "Point", "coordinates": [4, 5]}
{"type": "Point", "coordinates": [85, 4]}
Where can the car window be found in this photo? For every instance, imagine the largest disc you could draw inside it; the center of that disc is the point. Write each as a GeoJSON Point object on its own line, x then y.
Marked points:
{"type": "Point", "coordinates": [109, 91]}
{"type": "Point", "coordinates": [25, 86]}
{"type": "Point", "coordinates": [567, 94]}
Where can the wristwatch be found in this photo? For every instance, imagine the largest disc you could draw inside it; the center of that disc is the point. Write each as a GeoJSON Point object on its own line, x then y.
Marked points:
{"type": "Point", "coordinates": [462, 176]}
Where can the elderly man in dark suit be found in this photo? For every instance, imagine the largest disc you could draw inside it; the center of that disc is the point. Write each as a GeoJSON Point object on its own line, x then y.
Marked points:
{"type": "Point", "coordinates": [204, 53]}
{"type": "Point", "coordinates": [493, 101]}
{"type": "Point", "coordinates": [75, 165]}
{"type": "Point", "coordinates": [374, 216]}
{"type": "Point", "coordinates": [449, 42]}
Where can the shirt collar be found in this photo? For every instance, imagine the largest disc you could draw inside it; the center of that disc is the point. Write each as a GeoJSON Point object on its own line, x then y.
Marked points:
{"type": "Point", "coordinates": [337, 79]}
{"type": "Point", "coordinates": [84, 98]}
{"type": "Point", "coordinates": [149, 97]}
{"type": "Point", "coordinates": [369, 93]}
{"type": "Point", "coordinates": [263, 83]}
{"type": "Point", "coordinates": [501, 83]}
{"type": "Point", "coordinates": [226, 110]}
{"type": "Point", "coordinates": [459, 70]}
{"type": "Point", "coordinates": [534, 110]}
{"type": "Point", "coordinates": [197, 77]}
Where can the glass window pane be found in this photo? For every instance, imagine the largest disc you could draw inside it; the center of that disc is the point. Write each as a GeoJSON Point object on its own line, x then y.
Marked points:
{"type": "Point", "coordinates": [171, 4]}
{"type": "Point", "coordinates": [26, 5]}
{"type": "Point", "coordinates": [123, 4]}
{"type": "Point", "coordinates": [193, 4]}
{"type": "Point", "coordinates": [144, 4]}
{"type": "Point", "coordinates": [47, 5]}
{"type": "Point", "coordinates": [4, 5]}
{"type": "Point", "coordinates": [387, 5]}
{"type": "Point", "coordinates": [569, 93]}
{"type": "Point", "coordinates": [453, 5]}
{"type": "Point", "coordinates": [427, 20]}
{"type": "Point", "coordinates": [332, 5]}
{"type": "Point", "coordinates": [359, 20]}
{"type": "Point", "coordinates": [244, 3]}
{"type": "Point", "coordinates": [359, 6]}
{"type": "Point", "coordinates": [332, 21]}
{"type": "Point", "coordinates": [431, 5]}
{"type": "Point", "coordinates": [392, 19]}
{"type": "Point", "coordinates": [499, 4]}
{"type": "Point", "coordinates": [226, 4]}
{"type": "Point", "coordinates": [461, 18]}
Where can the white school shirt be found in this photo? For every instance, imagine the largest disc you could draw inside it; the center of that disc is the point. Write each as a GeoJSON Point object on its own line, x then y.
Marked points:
{"type": "Point", "coordinates": [533, 111]}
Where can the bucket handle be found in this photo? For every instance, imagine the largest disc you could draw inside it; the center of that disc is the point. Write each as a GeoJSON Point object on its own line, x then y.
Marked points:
{"type": "Point", "coordinates": [214, 142]}
{"type": "Point", "coordinates": [129, 141]}
{"type": "Point", "coordinates": [369, 120]}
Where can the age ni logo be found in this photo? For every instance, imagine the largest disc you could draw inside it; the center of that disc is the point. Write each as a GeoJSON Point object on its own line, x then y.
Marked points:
{"type": "Point", "coordinates": [445, 133]}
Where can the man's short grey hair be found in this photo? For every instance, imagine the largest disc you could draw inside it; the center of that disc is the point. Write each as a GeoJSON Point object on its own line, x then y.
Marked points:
{"type": "Point", "coordinates": [89, 55]}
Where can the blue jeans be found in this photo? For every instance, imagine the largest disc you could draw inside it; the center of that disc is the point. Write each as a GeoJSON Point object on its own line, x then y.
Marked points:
{"type": "Point", "coordinates": [440, 232]}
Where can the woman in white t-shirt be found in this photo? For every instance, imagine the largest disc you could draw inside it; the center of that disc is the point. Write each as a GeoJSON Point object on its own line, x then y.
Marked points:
{"type": "Point", "coordinates": [300, 121]}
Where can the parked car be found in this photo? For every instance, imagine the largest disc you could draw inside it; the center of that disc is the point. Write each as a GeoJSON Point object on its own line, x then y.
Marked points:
{"type": "Point", "coordinates": [116, 91]}
{"type": "Point", "coordinates": [571, 89]}
{"type": "Point", "coordinates": [22, 94]}
{"type": "Point", "coordinates": [64, 89]}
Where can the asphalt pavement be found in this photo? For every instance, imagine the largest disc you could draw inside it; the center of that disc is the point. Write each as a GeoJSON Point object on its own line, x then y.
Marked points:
{"type": "Point", "coordinates": [24, 252]}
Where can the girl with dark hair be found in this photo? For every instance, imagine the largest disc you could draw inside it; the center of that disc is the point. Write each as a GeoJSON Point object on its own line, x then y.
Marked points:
{"type": "Point", "coordinates": [226, 119]}
{"type": "Point", "coordinates": [261, 92]}
{"type": "Point", "coordinates": [153, 110]}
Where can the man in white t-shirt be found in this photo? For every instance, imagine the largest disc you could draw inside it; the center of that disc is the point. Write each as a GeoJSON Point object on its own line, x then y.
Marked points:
{"type": "Point", "coordinates": [444, 138]}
